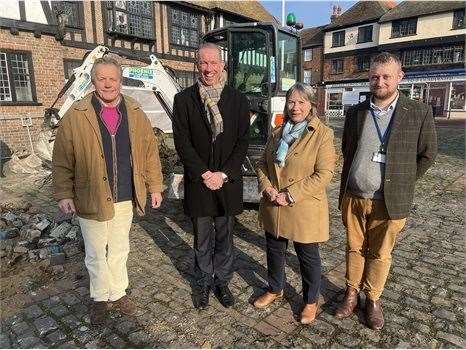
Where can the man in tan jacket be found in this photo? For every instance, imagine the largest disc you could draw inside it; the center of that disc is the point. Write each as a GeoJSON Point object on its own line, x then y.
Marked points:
{"type": "Point", "coordinates": [105, 159]}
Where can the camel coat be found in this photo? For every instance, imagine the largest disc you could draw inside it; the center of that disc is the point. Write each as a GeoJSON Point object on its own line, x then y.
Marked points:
{"type": "Point", "coordinates": [79, 168]}
{"type": "Point", "coordinates": [309, 167]}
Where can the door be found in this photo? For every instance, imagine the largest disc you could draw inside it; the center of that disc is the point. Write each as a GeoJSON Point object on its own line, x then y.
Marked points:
{"type": "Point", "coordinates": [437, 101]}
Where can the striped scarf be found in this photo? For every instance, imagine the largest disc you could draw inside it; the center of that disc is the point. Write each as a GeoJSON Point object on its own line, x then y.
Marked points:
{"type": "Point", "coordinates": [210, 95]}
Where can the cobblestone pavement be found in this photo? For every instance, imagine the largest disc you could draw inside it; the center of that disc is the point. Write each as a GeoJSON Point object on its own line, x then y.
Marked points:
{"type": "Point", "coordinates": [423, 300]}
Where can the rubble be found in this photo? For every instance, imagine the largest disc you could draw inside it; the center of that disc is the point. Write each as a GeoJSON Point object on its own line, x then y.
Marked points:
{"type": "Point", "coordinates": [31, 236]}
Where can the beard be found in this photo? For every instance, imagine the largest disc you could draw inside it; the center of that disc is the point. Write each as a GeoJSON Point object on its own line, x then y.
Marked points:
{"type": "Point", "coordinates": [382, 94]}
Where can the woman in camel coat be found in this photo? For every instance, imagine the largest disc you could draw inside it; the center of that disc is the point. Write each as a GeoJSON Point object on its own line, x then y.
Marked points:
{"type": "Point", "coordinates": [295, 169]}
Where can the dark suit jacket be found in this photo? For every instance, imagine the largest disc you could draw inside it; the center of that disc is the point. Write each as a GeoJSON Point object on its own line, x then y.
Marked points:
{"type": "Point", "coordinates": [192, 135]}
{"type": "Point", "coordinates": [411, 150]}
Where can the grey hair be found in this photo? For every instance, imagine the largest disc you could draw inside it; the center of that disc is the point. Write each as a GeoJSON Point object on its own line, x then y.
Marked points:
{"type": "Point", "coordinates": [308, 92]}
{"type": "Point", "coordinates": [105, 60]}
{"type": "Point", "coordinates": [209, 46]}
{"type": "Point", "coordinates": [384, 58]}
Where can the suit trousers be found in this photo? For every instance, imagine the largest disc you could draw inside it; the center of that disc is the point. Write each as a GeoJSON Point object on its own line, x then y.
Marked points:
{"type": "Point", "coordinates": [309, 265]}
{"type": "Point", "coordinates": [107, 247]}
{"type": "Point", "coordinates": [371, 237]}
{"type": "Point", "coordinates": [213, 250]}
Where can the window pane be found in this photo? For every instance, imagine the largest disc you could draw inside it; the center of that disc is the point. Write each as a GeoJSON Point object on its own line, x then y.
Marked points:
{"type": "Point", "coordinates": [71, 10]}
{"type": "Point", "coordinates": [5, 91]}
{"type": "Point", "coordinates": [22, 83]}
{"type": "Point", "coordinates": [307, 76]}
{"type": "Point", "coordinates": [308, 55]}
{"type": "Point", "coordinates": [184, 29]}
{"type": "Point", "coordinates": [335, 100]}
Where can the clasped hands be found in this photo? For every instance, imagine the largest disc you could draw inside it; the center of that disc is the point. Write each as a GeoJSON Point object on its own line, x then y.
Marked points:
{"type": "Point", "coordinates": [213, 180]}
{"type": "Point", "coordinates": [278, 198]}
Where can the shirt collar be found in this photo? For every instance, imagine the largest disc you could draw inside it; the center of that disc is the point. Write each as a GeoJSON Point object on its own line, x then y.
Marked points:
{"type": "Point", "coordinates": [387, 109]}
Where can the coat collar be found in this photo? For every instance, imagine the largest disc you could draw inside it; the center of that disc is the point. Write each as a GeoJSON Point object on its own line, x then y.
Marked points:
{"type": "Point", "coordinates": [86, 103]}
{"type": "Point", "coordinates": [312, 125]}
{"type": "Point", "coordinates": [198, 102]}
{"type": "Point", "coordinates": [398, 115]}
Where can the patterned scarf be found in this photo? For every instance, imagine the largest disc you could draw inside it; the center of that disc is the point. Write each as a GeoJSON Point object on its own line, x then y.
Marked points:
{"type": "Point", "coordinates": [290, 133]}
{"type": "Point", "coordinates": [210, 95]}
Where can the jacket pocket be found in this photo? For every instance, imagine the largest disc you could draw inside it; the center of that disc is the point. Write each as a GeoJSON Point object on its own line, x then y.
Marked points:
{"type": "Point", "coordinates": [85, 199]}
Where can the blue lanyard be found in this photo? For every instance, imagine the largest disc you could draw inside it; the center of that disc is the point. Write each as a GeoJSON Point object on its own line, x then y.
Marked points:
{"type": "Point", "coordinates": [383, 138]}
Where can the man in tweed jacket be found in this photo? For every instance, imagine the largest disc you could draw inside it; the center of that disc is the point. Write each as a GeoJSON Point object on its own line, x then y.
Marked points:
{"type": "Point", "coordinates": [388, 143]}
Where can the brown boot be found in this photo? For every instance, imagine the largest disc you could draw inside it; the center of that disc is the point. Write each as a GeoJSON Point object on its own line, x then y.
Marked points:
{"type": "Point", "coordinates": [125, 305]}
{"type": "Point", "coordinates": [266, 299]}
{"type": "Point", "coordinates": [309, 313]}
{"type": "Point", "coordinates": [99, 312]}
{"type": "Point", "coordinates": [348, 304]}
{"type": "Point", "coordinates": [374, 314]}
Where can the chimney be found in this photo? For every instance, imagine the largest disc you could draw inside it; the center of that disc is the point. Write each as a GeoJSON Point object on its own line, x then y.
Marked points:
{"type": "Point", "coordinates": [336, 12]}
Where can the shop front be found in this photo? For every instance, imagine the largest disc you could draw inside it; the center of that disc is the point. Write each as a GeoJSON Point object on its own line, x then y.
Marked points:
{"type": "Point", "coordinates": [443, 90]}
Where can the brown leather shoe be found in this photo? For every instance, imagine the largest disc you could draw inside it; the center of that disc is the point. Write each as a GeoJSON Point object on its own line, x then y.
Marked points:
{"type": "Point", "coordinates": [266, 299]}
{"type": "Point", "coordinates": [99, 312]}
{"type": "Point", "coordinates": [349, 303]}
{"type": "Point", "coordinates": [374, 314]}
{"type": "Point", "coordinates": [125, 305]}
{"type": "Point", "coordinates": [309, 313]}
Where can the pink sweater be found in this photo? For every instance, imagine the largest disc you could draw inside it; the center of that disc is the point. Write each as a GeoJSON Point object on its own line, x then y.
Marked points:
{"type": "Point", "coordinates": [111, 118]}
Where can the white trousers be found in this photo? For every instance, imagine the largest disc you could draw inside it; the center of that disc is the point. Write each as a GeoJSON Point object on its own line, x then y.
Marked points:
{"type": "Point", "coordinates": [107, 248]}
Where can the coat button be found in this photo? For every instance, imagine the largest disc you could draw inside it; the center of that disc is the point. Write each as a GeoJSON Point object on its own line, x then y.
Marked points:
{"type": "Point", "coordinates": [102, 156]}
{"type": "Point", "coordinates": [109, 199]}
{"type": "Point", "coordinates": [291, 180]}
{"type": "Point", "coordinates": [104, 178]}
{"type": "Point", "coordinates": [296, 153]}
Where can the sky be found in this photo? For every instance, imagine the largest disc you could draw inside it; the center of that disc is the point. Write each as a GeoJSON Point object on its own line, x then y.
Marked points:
{"type": "Point", "coordinates": [311, 12]}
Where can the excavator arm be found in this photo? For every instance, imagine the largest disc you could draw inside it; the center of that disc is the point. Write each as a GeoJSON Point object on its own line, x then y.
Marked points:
{"type": "Point", "coordinates": [153, 77]}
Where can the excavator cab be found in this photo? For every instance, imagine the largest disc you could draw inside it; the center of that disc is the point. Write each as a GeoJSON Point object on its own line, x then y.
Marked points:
{"type": "Point", "coordinates": [263, 61]}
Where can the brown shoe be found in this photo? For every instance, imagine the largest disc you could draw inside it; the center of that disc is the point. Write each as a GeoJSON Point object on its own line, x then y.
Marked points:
{"type": "Point", "coordinates": [374, 314]}
{"type": "Point", "coordinates": [266, 299]}
{"type": "Point", "coordinates": [309, 313]}
{"type": "Point", "coordinates": [348, 304]}
{"type": "Point", "coordinates": [125, 305]}
{"type": "Point", "coordinates": [99, 312]}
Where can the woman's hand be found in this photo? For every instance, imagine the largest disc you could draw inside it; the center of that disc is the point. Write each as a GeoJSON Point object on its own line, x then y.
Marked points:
{"type": "Point", "coordinates": [282, 199]}
{"type": "Point", "coordinates": [271, 193]}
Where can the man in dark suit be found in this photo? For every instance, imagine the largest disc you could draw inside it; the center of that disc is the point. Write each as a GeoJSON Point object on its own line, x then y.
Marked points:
{"type": "Point", "coordinates": [210, 129]}
{"type": "Point", "coordinates": [389, 141]}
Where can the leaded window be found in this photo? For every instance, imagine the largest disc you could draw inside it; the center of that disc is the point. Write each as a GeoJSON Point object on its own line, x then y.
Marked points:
{"type": "Point", "coordinates": [72, 11]}
{"type": "Point", "coordinates": [404, 27]}
{"type": "Point", "coordinates": [133, 18]}
{"type": "Point", "coordinates": [184, 28]}
{"type": "Point", "coordinates": [16, 77]}
{"type": "Point", "coordinates": [458, 19]}
{"type": "Point", "coordinates": [433, 55]}
{"type": "Point", "coordinates": [5, 90]}
{"type": "Point", "coordinates": [338, 38]}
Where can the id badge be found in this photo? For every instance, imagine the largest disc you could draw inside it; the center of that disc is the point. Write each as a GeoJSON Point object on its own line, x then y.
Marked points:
{"type": "Point", "coordinates": [378, 157]}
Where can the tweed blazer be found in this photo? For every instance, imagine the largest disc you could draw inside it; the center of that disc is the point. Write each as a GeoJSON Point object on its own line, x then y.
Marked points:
{"type": "Point", "coordinates": [411, 150]}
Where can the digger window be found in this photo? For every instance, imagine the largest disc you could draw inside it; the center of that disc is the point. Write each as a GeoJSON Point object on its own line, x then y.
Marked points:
{"type": "Point", "coordinates": [287, 60]}
{"type": "Point", "coordinates": [249, 62]}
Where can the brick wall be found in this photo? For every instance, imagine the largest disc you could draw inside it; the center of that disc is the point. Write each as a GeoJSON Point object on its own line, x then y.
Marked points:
{"type": "Point", "coordinates": [315, 65]}
{"type": "Point", "coordinates": [48, 78]}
